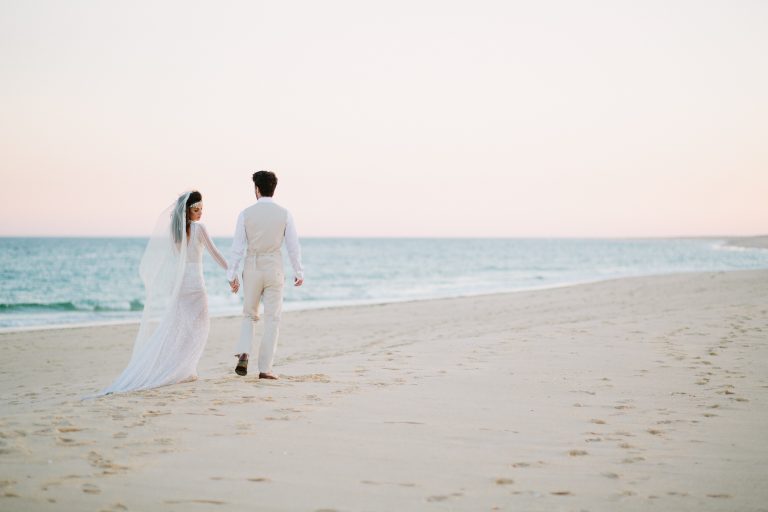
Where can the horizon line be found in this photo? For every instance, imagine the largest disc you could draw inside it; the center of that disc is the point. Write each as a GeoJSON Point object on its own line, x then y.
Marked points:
{"type": "Point", "coordinates": [434, 237]}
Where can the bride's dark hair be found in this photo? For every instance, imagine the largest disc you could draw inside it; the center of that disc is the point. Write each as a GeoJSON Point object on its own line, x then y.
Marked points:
{"type": "Point", "coordinates": [193, 198]}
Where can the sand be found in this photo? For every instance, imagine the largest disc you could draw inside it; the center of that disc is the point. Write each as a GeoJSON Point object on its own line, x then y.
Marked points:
{"type": "Point", "coordinates": [634, 394]}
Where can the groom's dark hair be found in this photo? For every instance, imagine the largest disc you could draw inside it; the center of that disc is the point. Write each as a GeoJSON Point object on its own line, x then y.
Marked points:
{"type": "Point", "coordinates": [266, 181]}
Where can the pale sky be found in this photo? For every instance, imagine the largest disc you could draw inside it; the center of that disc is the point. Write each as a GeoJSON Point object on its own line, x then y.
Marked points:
{"type": "Point", "coordinates": [398, 118]}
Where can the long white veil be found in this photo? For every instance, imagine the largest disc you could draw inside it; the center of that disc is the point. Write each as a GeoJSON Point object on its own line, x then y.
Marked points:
{"type": "Point", "coordinates": [162, 269]}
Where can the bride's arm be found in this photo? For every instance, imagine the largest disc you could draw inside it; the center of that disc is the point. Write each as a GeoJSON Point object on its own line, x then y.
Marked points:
{"type": "Point", "coordinates": [212, 250]}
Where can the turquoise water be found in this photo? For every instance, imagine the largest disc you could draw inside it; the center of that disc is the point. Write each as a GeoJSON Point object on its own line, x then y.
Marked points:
{"type": "Point", "coordinates": [51, 281]}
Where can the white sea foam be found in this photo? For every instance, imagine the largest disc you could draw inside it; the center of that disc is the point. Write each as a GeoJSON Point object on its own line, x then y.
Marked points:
{"type": "Point", "coordinates": [49, 282]}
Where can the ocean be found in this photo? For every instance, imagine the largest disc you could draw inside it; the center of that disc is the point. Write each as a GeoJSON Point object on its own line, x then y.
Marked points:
{"type": "Point", "coordinates": [61, 281]}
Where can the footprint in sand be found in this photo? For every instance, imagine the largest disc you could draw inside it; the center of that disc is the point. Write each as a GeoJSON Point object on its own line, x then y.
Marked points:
{"type": "Point", "coordinates": [68, 441]}
{"type": "Point", "coordinates": [400, 484]}
{"type": "Point", "coordinates": [96, 460]}
{"type": "Point", "coordinates": [69, 429]}
{"type": "Point", "coordinates": [6, 487]}
{"type": "Point", "coordinates": [151, 413]}
{"type": "Point", "coordinates": [90, 489]}
{"type": "Point", "coordinates": [443, 497]}
{"type": "Point", "coordinates": [577, 453]}
{"type": "Point", "coordinates": [314, 377]}
{"type": "Point", "coordinates": [288, 410]}
{"type": "Point", "coordinates": [537, 464]}
{"type": "Point", "coordinates": [115, 507]}
{"type": "Point", "coordinates": [202, 502]}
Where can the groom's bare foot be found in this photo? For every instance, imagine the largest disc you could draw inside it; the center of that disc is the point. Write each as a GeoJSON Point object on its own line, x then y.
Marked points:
{"type": "Point", "coordinates": [270, 376]}
{"type": "Point", "coordinates": [242, 365]}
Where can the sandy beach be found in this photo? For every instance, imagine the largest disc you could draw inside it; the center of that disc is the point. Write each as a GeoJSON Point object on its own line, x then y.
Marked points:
{"type": "Point", "coordinates": [634, 394]}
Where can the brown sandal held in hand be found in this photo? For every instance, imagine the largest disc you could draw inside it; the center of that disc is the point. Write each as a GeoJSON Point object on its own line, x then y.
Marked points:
{"type": "Point", "coordinates": [242, 366]}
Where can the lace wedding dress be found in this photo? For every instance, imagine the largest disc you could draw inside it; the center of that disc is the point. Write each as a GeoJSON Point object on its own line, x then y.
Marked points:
{"type": "Point", "coordinates": [175, 324]}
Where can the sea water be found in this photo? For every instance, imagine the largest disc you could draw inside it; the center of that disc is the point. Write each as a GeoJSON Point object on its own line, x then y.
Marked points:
{"type": "Point", "coordinates": [54, 281]}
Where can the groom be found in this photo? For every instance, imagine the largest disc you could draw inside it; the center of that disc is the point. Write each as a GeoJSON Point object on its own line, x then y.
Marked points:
{"type": "Point", "coordinates": [259, 234]}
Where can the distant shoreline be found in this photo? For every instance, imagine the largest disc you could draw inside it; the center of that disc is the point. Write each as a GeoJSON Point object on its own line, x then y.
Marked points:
{"type": "Point", "coordinates": [751, 242]}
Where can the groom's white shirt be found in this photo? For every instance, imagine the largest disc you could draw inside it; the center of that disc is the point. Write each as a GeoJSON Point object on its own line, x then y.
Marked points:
{"type": "Point", "coordinates": [240, 244]}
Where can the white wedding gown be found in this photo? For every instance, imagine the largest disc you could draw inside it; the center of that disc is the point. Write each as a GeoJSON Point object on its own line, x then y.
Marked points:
{"type": "Point", "coordinates": [172, 352]}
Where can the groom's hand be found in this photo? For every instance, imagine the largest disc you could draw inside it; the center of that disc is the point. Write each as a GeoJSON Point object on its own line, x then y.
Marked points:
{"type": "Point", "coordinates": [234, 285]}
{"type": "Point", "coordinates": [298, 281]}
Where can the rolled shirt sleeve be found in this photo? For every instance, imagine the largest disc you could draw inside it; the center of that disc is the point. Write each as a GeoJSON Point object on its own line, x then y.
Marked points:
{"type": "Point", "coordinates": [239, 244]}
{"type": "Point", "coordinates": [294, 249]}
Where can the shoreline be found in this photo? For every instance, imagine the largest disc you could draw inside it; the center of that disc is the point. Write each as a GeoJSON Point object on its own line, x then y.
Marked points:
{"type": "Point", "coordinates": [82, 310]}
{"type": "Point", "coordinates": [290, 307]}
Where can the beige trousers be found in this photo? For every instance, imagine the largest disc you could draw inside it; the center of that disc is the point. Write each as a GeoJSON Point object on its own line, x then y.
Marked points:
{"type": "Point", "coordinates": [262, 281]}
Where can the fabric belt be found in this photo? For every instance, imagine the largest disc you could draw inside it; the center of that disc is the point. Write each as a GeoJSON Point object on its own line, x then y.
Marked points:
{"type": "Point", "coordinates": [272, 254]}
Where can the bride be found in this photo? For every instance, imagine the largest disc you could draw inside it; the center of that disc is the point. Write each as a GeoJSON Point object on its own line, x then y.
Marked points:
{"type": "Point", "coordinates": [174, 325]}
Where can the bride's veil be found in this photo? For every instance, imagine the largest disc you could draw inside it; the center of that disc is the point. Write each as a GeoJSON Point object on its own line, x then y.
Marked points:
{"type": "Point", "coordinates": [162, 269]}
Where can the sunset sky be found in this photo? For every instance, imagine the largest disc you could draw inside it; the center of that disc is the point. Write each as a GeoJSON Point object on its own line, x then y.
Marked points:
{"type": "Point", "coordinates": [397, 118]}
